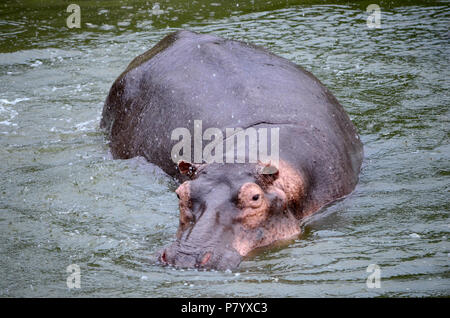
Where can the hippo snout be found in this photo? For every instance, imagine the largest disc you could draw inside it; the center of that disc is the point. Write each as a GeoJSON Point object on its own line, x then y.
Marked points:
{"type": "Point", "coordinates": [208, 259]}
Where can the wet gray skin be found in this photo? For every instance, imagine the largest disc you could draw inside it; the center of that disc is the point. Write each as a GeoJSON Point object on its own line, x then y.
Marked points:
{"type": "Point", "coordinates": [189, 76]}
{"type": "Point", "coordinates": [207, 238]}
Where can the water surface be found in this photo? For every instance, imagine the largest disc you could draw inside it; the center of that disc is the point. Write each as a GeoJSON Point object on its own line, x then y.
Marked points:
{"type": "Point", "coordinates": [64, 201]}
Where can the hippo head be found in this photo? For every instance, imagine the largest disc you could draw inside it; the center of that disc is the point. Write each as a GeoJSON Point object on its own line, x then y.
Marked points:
{"type": "Point", "coordinates": [227, 210]}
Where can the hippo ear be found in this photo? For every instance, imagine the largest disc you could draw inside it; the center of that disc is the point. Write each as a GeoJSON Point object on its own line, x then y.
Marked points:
{"type": "Point", "coordinates": [187, 168]}
{"type": "Point", "coordinates": [268, 172]}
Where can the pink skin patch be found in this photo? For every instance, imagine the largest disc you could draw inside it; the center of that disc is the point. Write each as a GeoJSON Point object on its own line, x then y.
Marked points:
{"type": "Point", "coordinates": [183, 193]}
{"type": "Point", "coordinates": [258, 225]}
{"type": "Point", "coordinates": [205, 259]}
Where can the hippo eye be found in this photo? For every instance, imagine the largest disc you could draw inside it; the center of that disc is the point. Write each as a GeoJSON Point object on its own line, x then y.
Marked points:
{"type": "Point", "coordinates": [255, 197]}
{"type": "Point", "coordinates": [178, 196]}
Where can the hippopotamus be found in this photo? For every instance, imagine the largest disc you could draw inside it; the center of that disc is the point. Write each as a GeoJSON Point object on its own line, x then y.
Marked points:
{"type": "Point", "coordinates": [231, 203]}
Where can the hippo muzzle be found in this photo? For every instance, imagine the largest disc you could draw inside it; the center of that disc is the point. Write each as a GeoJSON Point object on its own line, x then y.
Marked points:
{"type": "Point", "coordinates": [210, 258]}
{"type": "Point", "coordinates": [204, 243]}
{"type": "Point", "coordinates": [225, 212]}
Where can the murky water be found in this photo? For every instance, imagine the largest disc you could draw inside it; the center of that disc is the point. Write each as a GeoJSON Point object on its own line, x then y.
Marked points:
{"type": "Point", "coordinates": [64, 201]}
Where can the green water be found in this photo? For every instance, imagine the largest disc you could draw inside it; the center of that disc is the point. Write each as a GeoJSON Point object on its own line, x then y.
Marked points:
{"type": "Point", "coordinates": [64, 201]}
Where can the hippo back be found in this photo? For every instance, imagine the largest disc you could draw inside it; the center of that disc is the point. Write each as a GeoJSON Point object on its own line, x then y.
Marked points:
{"type": "Point", "coordinates": [224, 83]}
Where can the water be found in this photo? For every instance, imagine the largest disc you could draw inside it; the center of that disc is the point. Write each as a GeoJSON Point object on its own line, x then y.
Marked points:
{"type": "Point", "coordinates": [64, 201]}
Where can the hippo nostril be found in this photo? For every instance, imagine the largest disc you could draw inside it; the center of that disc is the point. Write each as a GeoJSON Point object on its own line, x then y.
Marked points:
{"type": "Point", "coordinates": [205, 258]}
{"type": "Point", "coordinates": [164, 257]}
